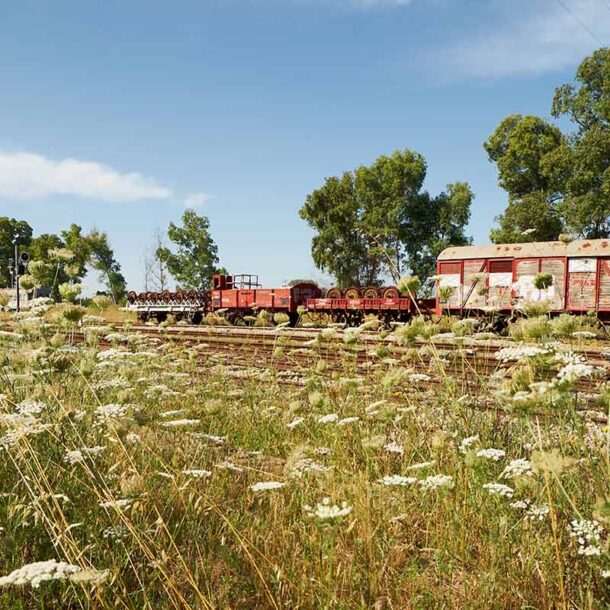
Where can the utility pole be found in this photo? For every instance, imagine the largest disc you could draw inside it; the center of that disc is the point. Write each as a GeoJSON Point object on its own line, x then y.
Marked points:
{"type": "Point", "coordinates": [17, 273]}
{"type": "Point", "coordinates": [21, 261]}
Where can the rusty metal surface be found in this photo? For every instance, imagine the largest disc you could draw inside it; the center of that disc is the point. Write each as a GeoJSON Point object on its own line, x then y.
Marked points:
{"type": "Point", "coordinates": [583, 247]}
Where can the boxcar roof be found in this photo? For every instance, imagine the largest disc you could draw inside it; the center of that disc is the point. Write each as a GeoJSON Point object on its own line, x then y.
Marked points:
{"type": "Point", "coordinates": [583, 247]}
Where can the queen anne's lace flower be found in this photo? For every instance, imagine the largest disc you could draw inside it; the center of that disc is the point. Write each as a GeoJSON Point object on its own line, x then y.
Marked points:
{"type": "Point", "coordinates": [498, 489]}
{"type": "Point", "coordinates": [396, 480]}
{"type": "Point", "coordinates": [394, 448]}
{"type": "Point", "coordinates": [467, 442]}
{"type": "Point", "coordinates": [517, 468]}
{"type": "Point", "coordinates": [40, 571]}
{"type": "Point", "coordinates": [436, 481]}
{"type": "Point", "coordinates": [197, 473]}
{"type": "Point", "coordinates": [295, 422]}
{"type": "Point", "coordinates": [328, 419]}
{"type": "Point", "coordinates": [179, 423]}
{"type": "Point", "coordinates": [491, 454]}
{"type": "Point", "coordinates": [573, 372]}
{"type": "Point", "coordinates": [588, 536]}
{"type": "Point", "coordinates": [325, 511]}
{"type": "Point", "coordinates": [508, 354]}
{"type": "Point", "coordinates": [267, 485]}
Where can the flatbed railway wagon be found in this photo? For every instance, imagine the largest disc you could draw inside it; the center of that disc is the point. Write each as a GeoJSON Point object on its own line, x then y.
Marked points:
{"type": "Point", "coordinates": [351, 311]}
{"type": "Point", "coordinates": [235, 296]}
{"type": "Point", "coordinates": [500, 277]}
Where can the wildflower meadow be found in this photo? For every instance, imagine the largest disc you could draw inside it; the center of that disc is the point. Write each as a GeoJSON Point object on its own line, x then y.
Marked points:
{"type": "Point", "coordinates": [142, 472]}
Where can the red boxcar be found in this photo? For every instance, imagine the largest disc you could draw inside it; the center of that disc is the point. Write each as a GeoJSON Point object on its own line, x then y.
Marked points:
{"type": "Point", "coordinates": [501, 277]}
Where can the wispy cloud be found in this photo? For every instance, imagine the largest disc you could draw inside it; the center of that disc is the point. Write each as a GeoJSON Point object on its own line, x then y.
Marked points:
{"type": "Point", "coordinates": [196, 200]}
{"type": "Point", "coordinates": [526, 37]}
{"type": "Point", "coordinates": [26, 175]}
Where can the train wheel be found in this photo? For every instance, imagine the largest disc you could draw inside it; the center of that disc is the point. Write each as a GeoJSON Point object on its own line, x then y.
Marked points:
{"type": "Point", "coordinates": [354, 318]}
{"type": "Point", "coordinates": [391, 292]}
{"type": "Point", "coordinates": [235, 318]}
{"type": "Point", "coordinates": [196, 318]}
{"type": "Point", "coordinates": [353, 292]}
{"type": "Point", "coordinates": [143, 317]}
{"type": "Point", "coordinates": [161, 317]}
{"type": "Point", "coordinates": [371, 292]}
{"type": "Point", "coordinates": [333, 293]}
{"type": "Point", "coordinates": [294, 319]}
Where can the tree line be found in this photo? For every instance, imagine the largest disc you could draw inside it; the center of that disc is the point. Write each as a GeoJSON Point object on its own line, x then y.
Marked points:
{"type": "Point", "coordinates": [59, 261]}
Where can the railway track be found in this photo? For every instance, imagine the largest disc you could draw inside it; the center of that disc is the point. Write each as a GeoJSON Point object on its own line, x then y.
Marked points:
{"type": "Point", "coordinates": [465, 366]}
{"type": "Point", "coordinates": [470, 366]}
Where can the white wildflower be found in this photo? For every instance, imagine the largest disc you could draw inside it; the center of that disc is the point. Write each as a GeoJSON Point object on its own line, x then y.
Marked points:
{"type": "Point", "coordinates": [74, 457]}
{"type": "Point", "coordinates": [517, 468]}
{"type": "Point", "coordinates": [328, 419]}
{"type": "Point", "coordinates": [588, 536]}
{"type": "Point", "coordinates": [498, 489]}
{"type": "Point", "coordinates": [394, 448]}
{"type": "Point", "coordinates": [228, 465]}
{"type": "Point", "coordinates": [172, 413]}
{"type": "Point", "coordinates": [537, 512]}
{"type": "Point", "coordinates": [467, 442]}
{"type": "Point", "coordinates": [325, 511]}
{"type": "Point", "coordinates": [30, 407]}
{"type": "Point", "coordinates": [178, 423]}
{"type": "Point", "coordinates": [491, 454]}
{"type": "Point", "coordinates": [295, 422]}
{"type": "Point", "coordinates": [111, 411]}
{"type": "Point", "coordinates": [396, 480]}
{"type": "Point", "coordinates": [118, 504]}
{"type": "Point", "coordinates": [347, 420]}
{"type": "Point", "coordinates": [573, 372]}
{"type": "Point", "coordinates": [436, 481]}
{"type": "Point", "coordinates": [40, 571]}
{"type": "Point", "coordinates": [197, 474]}
{"type": "Point", "coordinates": [133, 438]}
{"type": "Point", "coordinates": [508, 354]}
{"type": "Point", "coordinates": [306, 466]}
{"type": "Point", "coordinates": [267, 486]}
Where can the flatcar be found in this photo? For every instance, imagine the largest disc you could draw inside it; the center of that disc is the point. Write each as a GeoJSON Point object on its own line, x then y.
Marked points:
{"type": "Point", "coordinates": [235, 296]}
{"type": "Point", "coordinates": [501, 277]}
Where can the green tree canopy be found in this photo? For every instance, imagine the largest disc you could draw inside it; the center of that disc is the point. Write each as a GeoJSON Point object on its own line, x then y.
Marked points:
{"type": "Point", "coordinates": [11, 232]}
{"type": "Point", "coordinates": [554, 181]}
{"type": "Point", "coordinates": [377, 221]}
{"type": "Point", "coordinates": [101, 257]}
{"type": "Point", "coordinates": [523, 148]}
{"type": "Point", "coordinates": [196, 256]}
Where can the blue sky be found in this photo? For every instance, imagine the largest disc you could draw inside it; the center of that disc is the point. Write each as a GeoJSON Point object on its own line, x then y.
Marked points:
{"type": "Point", "coordinates": [118, 113]}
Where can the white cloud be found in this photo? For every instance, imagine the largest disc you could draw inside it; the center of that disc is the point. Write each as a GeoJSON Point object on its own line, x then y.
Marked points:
{"type": "Point", "coordinates": [25, 175]}
{"type": "Point", "coordinates": [196, 200]}
{"type": "Point", "coordinates": [528, 37]}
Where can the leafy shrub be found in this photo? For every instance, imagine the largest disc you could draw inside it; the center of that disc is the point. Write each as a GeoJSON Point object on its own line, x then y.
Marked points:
{"type": "Point", "coordinates": [535, 328]}
{"type": "Point", "coordinates": [543, 281]}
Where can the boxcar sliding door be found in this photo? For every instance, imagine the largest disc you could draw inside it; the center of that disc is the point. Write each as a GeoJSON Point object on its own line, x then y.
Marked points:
{"type": "Point", "coordinates": [582, 276]}
{"type": "Point", "coordinates": [603, 274]}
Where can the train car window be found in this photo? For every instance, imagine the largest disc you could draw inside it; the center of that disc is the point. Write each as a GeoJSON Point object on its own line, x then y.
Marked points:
{"type": "Point", "coordinates": [501, 266]}
{"type": "Point", "coordinates": [450, 268]}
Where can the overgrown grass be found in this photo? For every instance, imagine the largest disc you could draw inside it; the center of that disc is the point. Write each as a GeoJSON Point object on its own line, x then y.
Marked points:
{"type": "Point", "coordinates": [179, 441]}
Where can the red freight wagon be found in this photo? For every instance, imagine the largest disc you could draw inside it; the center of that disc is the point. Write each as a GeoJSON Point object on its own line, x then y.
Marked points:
{"type": "Point", "coordinates": [353, 311]}
{"type": "Point", "coordinates": [241, 295]}
{"type": "Point", "coordinates": [500, 277]}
